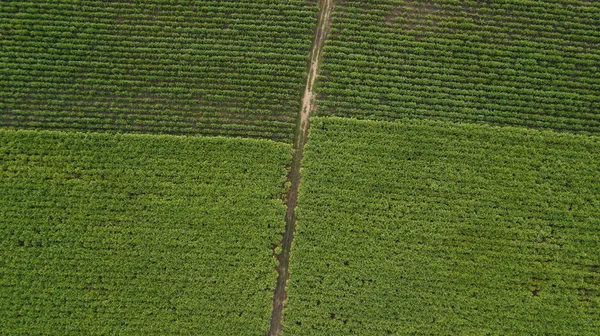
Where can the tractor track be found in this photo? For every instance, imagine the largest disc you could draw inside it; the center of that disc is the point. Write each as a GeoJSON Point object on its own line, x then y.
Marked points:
{"type": "Point", "coordinates": [280, 295]}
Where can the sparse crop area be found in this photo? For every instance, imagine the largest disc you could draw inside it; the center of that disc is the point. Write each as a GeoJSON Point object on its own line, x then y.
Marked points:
{"type": "Point", "coordinates": [233, 68]}
{"type": "Point", "coordinates": [436, 228]}
{"type": "Point", "coordinates": [138, 234]}
{"type": "Point", "coordinates": [504, 62]}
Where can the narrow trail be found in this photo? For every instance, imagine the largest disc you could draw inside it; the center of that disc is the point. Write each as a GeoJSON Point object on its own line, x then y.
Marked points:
{"type": "Point", "coordinates": [326, 8]}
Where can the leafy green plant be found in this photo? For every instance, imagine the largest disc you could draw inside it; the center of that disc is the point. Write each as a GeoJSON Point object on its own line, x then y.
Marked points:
{"type": "Point", "coordinates": [138, 234]}
{"type": "Point", "coordinates": [192, 67]}
{"type": "Point", "coordinates": [495, 62]}
{"type": "Point", "coordinates": [437, 228]}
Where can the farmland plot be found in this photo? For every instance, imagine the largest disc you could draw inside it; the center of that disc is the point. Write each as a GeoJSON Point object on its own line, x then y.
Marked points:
{"type": "Point", "coordinates": [138, 234]}
{"type": "Point", "coordinates": [522, 63]}
{"type": "Point", "coordinates": [435, 228]}
{"type": "Point", "coordinates": [208, 67]}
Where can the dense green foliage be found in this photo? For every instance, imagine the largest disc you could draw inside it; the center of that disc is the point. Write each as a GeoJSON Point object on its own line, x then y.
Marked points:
{"type": "Point", "coordinates": [186, 67]}
{"type": "Point", "coordinates": [509, 62]}
{"type": "Point", "coordinates": [138, 234]}
{"type": "Point", "coordinates": [434, 228]}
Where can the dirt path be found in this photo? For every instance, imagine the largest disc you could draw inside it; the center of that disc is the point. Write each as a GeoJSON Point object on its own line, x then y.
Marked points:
{"type": "Point", "coordinates": [326, 8]}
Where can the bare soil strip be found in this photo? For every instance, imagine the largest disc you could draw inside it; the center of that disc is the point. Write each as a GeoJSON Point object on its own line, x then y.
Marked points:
{"type": "Point", "coordinates": [326, 8]}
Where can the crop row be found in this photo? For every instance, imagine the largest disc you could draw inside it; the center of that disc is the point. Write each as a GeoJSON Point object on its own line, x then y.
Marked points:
{"type": "Point", "coordinates": [439, 228]}
{"type": "Point", "coordinates": [471, 62]}
{"type": "Point", "coordinates": [229, 67]}
{"type": "Point", "coordinates": [138, 234]}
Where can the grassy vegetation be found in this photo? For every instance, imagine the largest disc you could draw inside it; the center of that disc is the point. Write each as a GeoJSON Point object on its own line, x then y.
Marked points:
{"type": "Point", "coordinates": [207, 67]}
{"type": "Point", "coordinates": [135, 234]}
{"type": "Point", "coordinates": [506, 62]}
{"type": "Point", "coordinates": [434, 228]}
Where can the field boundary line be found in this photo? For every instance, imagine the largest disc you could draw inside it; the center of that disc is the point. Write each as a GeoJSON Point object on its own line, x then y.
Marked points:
{"type": "Point", "coordinates": [280, 295]}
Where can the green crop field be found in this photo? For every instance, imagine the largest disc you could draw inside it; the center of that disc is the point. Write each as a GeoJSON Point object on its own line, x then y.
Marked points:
{"type": "Point", "coordinates": [436, 228]}
{"type": "Point", "coordinates": [506, 62]}
{"type": "Point", "coordinates": [300, 167]}
{"type": "Point", "coordinates": [206, 67]}
{"type": "Point", "coordinates": [138, 235]}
